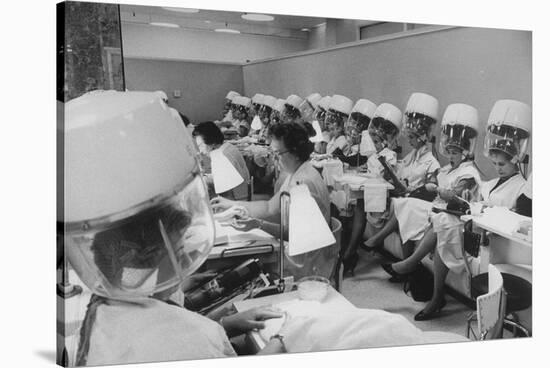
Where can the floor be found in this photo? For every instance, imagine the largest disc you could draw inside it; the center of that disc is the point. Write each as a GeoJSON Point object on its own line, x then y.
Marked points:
{"type": "Point", "coordinates": [370, 288]}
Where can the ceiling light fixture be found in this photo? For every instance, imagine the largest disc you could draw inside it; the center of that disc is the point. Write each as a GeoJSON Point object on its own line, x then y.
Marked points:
{"type": "Point", "coordinates": [226, 30]}
{"type": "Point", "coordinates": [257, 17]}
{"type": "Point", "coordinates": [305, 29]}
{"type": "Point", "coordinates": [181, 10]}
{"type": "Point", "coordinates": [163, 24]}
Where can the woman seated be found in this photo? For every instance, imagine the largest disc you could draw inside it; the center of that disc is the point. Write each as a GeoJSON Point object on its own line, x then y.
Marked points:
{"type": "Point", "coordinates": [382, 133]}
{"type": "Point", "coordinates": [242, 118]}
{"type": "Point", "coordinates": [319, 115]}
{"type": "Point", "coordinates": [358, 122]}
{"type": "Point", "coordinates": [337, 115]}
{"type": "Point", "coordinates": [504, 191]}
{"type": "Point", "coordinates": [412, 216]}
{"type": "Point", "coordinates": [292, 147]}
{"type": "Point", "coordinates": [209, 137]}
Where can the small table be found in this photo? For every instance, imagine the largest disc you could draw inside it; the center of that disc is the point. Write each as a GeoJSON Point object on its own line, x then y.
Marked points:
{"type": "Point", "coordinates": [505, 245]}
{"type": "Point", "coordinates": [333, 299]}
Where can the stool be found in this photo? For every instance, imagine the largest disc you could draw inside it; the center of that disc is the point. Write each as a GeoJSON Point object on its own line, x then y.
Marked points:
{"type": "Point", "coordinates": [518, 297]}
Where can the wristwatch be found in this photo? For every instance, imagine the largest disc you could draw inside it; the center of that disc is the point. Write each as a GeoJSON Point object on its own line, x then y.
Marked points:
{"type": "Point", "coordinates": [281, 339]}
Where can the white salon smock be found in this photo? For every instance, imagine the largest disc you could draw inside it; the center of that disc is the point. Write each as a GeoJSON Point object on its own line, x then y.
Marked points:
{"type": "Point", "coordinates": [413, 215]}
{"type": "Point", "coordinates": [416, 166]}
{"type": "Point", "coordinates": [338, 142]}
{"type": "Point", "coordinates": [320, 261]}
{"type": "Point", "coordinates": [153, 331]}
{"type": "Point", "coordinates": [449, 228]}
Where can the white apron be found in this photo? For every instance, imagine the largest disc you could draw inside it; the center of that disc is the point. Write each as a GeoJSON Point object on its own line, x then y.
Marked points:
{"type": "Point", "coordinates": [449, 228]}
{"type": "Point", "coordinates": [413, 215]}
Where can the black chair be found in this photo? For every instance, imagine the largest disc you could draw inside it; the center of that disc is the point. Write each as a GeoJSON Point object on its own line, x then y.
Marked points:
{"type": "Point", "coordinates": [518, 291]}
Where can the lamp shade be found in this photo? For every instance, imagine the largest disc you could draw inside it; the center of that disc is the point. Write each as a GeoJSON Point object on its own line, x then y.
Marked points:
{"type": "Point", "coordinates": [224, 174]}
{"type": "Point", "coordinates": [308, 229]}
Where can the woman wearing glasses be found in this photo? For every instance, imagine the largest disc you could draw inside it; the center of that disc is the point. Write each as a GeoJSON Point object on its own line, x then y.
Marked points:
{"type": "Point", "coordinates": [291, 145]}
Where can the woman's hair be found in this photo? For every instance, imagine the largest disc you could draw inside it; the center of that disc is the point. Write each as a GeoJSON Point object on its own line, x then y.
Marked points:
{"type": "Point", "coordinates": [209, 132]}
{"type": "Point", "coordinates": [295, 137]}
{"type": "Point", "coordinates": [497, 152]}
{"type": "Point", "coordinates": [363, 121]}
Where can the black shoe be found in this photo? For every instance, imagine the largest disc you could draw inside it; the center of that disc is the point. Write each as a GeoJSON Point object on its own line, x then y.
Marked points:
{"type": "Point", "coordinates": [395, 276]}
{"type": "Point", "coordinates": [349, 264]}
{"type": "Point", "coordinates": [425, 316]}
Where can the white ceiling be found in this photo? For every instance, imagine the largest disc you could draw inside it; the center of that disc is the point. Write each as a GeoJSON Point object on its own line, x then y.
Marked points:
{"type": "Point", "coordinates": [281, 26]}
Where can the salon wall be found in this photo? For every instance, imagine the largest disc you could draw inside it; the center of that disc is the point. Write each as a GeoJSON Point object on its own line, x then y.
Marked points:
{"type": "Point", "coordinates": [145, 41]}
{"type": "Point", "coordinates": [203, 86]}
{"type": "Point", "coordinates": [475, 66]}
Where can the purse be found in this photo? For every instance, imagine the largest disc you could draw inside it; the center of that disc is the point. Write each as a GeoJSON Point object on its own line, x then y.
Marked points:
{"type": "Point", "coordinates": [420, 284]}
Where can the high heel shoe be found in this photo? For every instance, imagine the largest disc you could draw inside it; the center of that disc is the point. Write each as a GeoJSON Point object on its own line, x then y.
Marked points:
{"type": "Point", "coordinates": [395, 276]}
{"type": "Point", "coordinates": [425, 316]}
{"type": "Point", "coordinates": [349, 264]}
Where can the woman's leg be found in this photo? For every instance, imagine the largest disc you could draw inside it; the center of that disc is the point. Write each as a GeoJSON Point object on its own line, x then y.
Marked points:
{"type": "Point", "coordinates": [440, 274]}
{"type": "Point", "coordinates": [427, 244]}
{"type": "Point", "coordinates": [389, 227]}
{"type": "Point", "coordinates": [358, 228]}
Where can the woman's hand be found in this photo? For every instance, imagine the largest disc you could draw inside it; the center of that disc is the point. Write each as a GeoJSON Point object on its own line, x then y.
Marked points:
{"type": "Point", "coordinates": [431, 187]}
{"type": "Point", "coordinates": [246, 224]}
{"type": "Point", "coordinates": [221, 204]}
{"type": "Point", "coordinates": [446, 194]}
{"type": "Point", "coordinates": [252, 319]}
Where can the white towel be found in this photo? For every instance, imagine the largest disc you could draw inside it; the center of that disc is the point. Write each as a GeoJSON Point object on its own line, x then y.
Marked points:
{"type": "Point", "coordinates": [375, 196]}
{"type": "Point", "coordinates": [331, 169]}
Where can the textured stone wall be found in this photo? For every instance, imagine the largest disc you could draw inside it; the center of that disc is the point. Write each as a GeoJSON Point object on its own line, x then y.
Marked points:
{"type": "Point", "coordinates": [92, 48]}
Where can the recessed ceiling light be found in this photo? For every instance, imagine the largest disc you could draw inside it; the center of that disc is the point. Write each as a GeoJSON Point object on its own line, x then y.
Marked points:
{"type": "Point", "coordinates": [226, 30]}
{"type": "Point", "coordinates": [305, 29]}
{"type": "Point", "coordinates": [257, 17]}
{"type": "Point", "coordinates": [162, 24]}
{"type": "Point", "coordinates": [181, 10]}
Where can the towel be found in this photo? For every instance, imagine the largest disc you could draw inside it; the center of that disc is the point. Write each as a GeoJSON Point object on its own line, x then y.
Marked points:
{"type": "Point", "coordinates": [331, 169]}
{"type": "Point", "coordinates": [375, 196]}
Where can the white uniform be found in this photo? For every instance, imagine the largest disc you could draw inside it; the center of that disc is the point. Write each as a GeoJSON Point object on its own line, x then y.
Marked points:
{"type": "Point", "coordinates": [305, 174]}
{"type": "Point", "coordinates": [320, 261]}
{"type": "Point", "coordinates": [157, 332]}
{"type": "Point", "coordinates": [528, 187]}
{"type": "Point", "coordinates": [338, 142]}
{"type": "Point", "coordinates": [416, 166]}
{"type": "Point", "coordinates": [375, 167]}
{"type": "Point", "coordinates": [413, 215]}
{"type": "Point", "coordinates": [449, 228]}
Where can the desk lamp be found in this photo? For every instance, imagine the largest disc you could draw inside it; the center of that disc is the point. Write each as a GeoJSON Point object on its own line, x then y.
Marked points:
{"type": "Point", "coordinates": [299, 214]}
{"type": "Point", "coordinates": [224, 174]}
